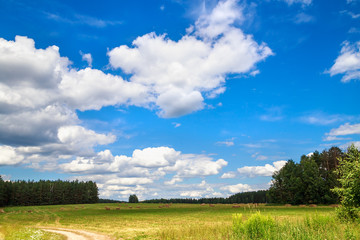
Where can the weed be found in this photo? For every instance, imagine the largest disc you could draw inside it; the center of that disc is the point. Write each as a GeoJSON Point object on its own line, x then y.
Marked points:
{"type": "Point", "coordinates": [256, 227]}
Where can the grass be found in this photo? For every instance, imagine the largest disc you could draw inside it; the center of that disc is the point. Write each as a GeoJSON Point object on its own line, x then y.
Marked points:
{"type": "Point", "coordinates": [179, 221]}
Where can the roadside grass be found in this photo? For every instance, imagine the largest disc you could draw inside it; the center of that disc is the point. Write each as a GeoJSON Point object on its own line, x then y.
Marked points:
{"type": "Point", "coordinates": [316, 227]}
{"type": "Point", "coordinates": [178, 221]}
{"type": "Point", "coordinates": [22, 233]}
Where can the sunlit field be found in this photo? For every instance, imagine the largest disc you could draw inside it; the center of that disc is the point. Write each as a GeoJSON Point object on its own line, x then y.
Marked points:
{"type": "Point", "coordinates": [178, 221]}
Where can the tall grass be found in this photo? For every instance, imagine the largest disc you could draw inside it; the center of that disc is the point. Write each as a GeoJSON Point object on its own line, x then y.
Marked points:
{"type": "Point", "coordinates": [25, 233]}
{"type": "Point", "coordinates": [256, 227]}
{"type": "Point", "coordinates": [316, 227]}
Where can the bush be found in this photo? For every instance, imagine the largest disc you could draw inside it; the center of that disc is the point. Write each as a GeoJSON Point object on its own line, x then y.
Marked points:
{"type": "Point", "coordinates": [256, 227]}
{"type": "Point", "coordinates": [349, 191]}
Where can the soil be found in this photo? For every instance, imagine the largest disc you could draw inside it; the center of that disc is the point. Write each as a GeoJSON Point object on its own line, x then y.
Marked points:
{"type": "Point", "coordinates": [73, 234]}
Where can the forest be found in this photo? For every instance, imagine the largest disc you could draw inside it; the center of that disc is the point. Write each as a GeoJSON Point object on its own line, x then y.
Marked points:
{"type": "Point", "coordinates": [310, 181]}
{"type": "Point", "coordinates": [26, 193]}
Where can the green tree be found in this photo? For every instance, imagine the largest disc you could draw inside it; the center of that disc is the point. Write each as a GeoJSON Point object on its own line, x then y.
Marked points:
{"type": "Point", "coordinates": [133, 199]}
{"type": "Point", "coordinates": [349, 191]}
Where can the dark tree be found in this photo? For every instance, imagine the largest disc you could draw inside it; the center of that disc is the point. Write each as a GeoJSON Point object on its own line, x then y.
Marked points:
{"type": "Point", "coordinates": [309, 181]}
{"type": "Point", "coordinates": [133, 199]}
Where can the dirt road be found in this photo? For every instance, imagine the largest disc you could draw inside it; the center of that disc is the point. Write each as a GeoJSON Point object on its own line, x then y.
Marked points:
{"type": "Point", "coordinates": [73, 234]}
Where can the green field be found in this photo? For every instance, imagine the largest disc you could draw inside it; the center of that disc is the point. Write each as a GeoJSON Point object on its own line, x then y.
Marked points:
{"type": "Point", "coordinates": [178, 221]}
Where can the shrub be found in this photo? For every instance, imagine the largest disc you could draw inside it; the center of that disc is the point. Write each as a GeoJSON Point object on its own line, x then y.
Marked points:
{"type": "Point", "coordinates": [256, 227]}
{"type": "Point", "coordinates": [349, 192]}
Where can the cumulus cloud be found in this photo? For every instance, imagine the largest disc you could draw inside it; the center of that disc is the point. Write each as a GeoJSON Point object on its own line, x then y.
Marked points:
{"type": "Point", "coordinates": [237, 188]}
{"type": "Point", "coordinates": [267, 170]}
{"type": "Point", "coordinates": [173, 181]}
{"type": "Point", "coordinates": [155, 157]}
{"type": "Point", "coordinates": [81, 137]}
{"type": "Point", "coordinates": [40, 94]}
{"type": "Point", "coordinates": [9, 156]}
{"type": "Point", "coordinates": [91, 89]}
{"type": "Point", "coordinates": [145, 170]}
{"type": "Point", "coordinates": [179, 73]}
{"type": "Point", "coordinates": [192, 165]}
{"type": "Point", "coordinates": [155, 162]}
{"type": "Point", "coordinates": [348, 62]}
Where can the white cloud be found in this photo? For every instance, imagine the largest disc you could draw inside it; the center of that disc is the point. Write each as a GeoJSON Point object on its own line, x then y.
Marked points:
{"type": "Point", "coordinates": [8, 156]}
{"type": "Point", "coordinates": [228, 175]}
{"type": "Point", "coordinates": [129, 181]}
{"type": "Point", "coordinates": [40, 92]}
{"type": "Point", "coordinates": [155, 157]}
{"type": "Point", "coordinates": [80, 137]}
{"type": "Point", "coordinates": [146, 168]}
{"type": "Point", "coordinates": [34, 126]}
{"type": "Point", "coordinates": [345, 129]}
{"type": "Point", "coordinates": [192, 194]}
{"type": "Point", "coordinates": [237, 188]}
{"type": "Point", "coordinates": [173, 181]}
{"type": "Point", "coordinates": [91, 89]}
{"type": "Point", "coordinates": [180, 72]}
{"type": "Point", "coordinates": [348, 62]}
{"type": "Point", "coordinates": [267, 170]}
{"type": "Point", "coordinates": [334, 138]}
{"type": "Point", "coordinates": [150, 162]}
{"type": "Point", "coordinates": [192, 165]}
{"type": "Point", "coordinates": [309, 154]}
{"type": "Point", "coordinates": [23, 65]}
{"type": "Point", "coordinates": [176, 125]}
{"type": "Point", "coordinates": [87, 58]}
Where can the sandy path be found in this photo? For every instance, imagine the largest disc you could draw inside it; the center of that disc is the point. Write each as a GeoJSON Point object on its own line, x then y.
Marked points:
{"type": "Point", "coordinates": [72, 234]}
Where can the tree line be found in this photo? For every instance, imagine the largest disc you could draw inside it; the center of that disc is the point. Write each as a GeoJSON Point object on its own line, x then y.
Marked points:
{"type": "Point", "coordinates": [245, 197]}
{"type": "Point", "coordinates": [26, 193]}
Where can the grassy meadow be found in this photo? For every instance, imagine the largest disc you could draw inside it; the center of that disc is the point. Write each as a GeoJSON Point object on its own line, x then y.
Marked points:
{"type": "Point", "coordinates": [178, 221]}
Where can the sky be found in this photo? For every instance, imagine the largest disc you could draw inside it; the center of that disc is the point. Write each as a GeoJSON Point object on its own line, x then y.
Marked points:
{"type": "Point", "coordinates": [175, 98]}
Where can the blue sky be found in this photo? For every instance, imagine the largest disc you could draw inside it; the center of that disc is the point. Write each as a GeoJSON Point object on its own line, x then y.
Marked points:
{"type": "Point", "coordinates": [175, 98]}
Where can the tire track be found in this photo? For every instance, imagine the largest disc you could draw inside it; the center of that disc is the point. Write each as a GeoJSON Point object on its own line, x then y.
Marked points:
{"type": "Point", "coordinates": [73, 234]}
